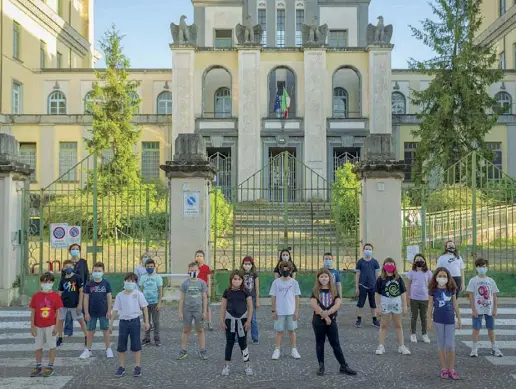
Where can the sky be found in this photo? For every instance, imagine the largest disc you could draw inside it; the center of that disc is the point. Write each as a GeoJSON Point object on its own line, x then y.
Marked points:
{"type": "Point", "coordinates": [146, 27]}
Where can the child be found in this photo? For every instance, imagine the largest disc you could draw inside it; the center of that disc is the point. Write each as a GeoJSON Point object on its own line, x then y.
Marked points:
{"type": "Point", "coordinates": [129, 304]}
{"type": "Point", "coordinates": [285, 256]}
{"type": "Point", "coordinates": [192, 307]}
{"type": "Point", "coordinates": [442, 308]}
{"type": "Point", "coordinates": [97, 307]}
{"type": "Point", "coordinates": [44, 316]}
{"type": "Point", "coordinates": [325, 303]}
{"type": "Point", "coordinates": [391, 297]}
{"type": "Point", "coordinates": [367, 270]}
{"type": "Point", "coordinates": [152, 285]}
{"type": "Point", "coordinates": [252, 284]}
{"type": "Point", "coordinates": [285, 307]}
{"type": "Point", "coordinates": [204, 274]}
{"type": "Point", "coordinates": [70, 290]}
{"type": "Point", "coordinates": [235, 309]}
{"type": "Point", "coordinates": [80, 269]}
{"type": "Point", "coordinates": [484, 304]}
{"type": "Point", "coordinates": [417, 291]}
{"type": "Point", "coordinates": [140, 268]}
{"type": "Point", "coordinates": [453, 262]}
{"type": "Point", "coordinates": [328, 264]}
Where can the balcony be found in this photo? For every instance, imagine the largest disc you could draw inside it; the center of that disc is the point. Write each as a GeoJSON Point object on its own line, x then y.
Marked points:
{"type": "Point", "coordinates": [216, 123]}
{"type": "Point", "coordinates": [276, 123]}
{"type": "Point", "coordinates": [347, 123]}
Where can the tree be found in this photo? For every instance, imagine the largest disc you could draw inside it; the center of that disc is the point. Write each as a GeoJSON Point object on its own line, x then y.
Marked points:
{"type": "Point", "coordinates": [457, 111]}
{"type": "Point", "coordinates": [113, 103]}
{"type": "Point", "coordinates": [345, 200]}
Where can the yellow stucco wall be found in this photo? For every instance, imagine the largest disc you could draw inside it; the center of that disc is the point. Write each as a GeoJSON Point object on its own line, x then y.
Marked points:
{"type": "Point", "coordinates": [490, 12]}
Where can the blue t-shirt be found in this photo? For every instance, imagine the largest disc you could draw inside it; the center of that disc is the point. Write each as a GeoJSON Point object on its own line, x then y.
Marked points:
{"type": "Point", "coordinates": [151, 284]}
{"type": "Point", "coordinates": [367, 270]}
{"type": "Point", "coordinates": [336, 275]}
{"type": "Point", "coordinates": [98, 300]}
{"type": "Point", "coordinates": [444, 312]}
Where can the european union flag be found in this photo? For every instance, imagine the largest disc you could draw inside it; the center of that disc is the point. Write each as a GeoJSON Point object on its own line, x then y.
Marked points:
{"type": "Point", "coordinates": [277, 104]}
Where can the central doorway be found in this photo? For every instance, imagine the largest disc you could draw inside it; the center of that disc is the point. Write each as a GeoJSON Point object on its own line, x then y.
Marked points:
{"type": "Point", "coordinates": [282, 180]}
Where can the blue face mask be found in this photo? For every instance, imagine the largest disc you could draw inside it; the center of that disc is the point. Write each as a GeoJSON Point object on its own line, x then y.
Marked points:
{"type": "Point", "coordinates": [150, 270]}
{"type": "Point", "coordinates": [368, 253]}
{"type": "Point", "coordinates": [74, 253]}
{"type": "Point", "coordinates": [328, 263]}
{"type": "Point", "coordinates": [68, 270]}
{"type": "Point", "coordinates": [129, 286]}
{"type": "Point", "coordinates": [482, 270]}
{"type": "Point", "coordinates": [97, 275]}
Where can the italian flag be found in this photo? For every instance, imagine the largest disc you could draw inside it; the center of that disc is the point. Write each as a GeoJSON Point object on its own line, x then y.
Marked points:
{"type": "Point", "coordinates": [285, 103]}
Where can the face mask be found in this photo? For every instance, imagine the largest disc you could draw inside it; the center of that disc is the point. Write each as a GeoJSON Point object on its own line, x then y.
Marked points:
{"type": "Point", "coordinates": [68, 270]}
{"type": "Point", "coordinates": [74, 253]}
{"type": "Point", "coordinates": [149, 270]}
{"type": "Point", "coordinates": [442, 281]}
{"type": "Point", "coordinates": [451, 249]}
{"type": "Point", "coordinates": [368, 253]}
{"type": "Point", "coordinates": [328, 263]}
{"type": "Point", "coordinates": [482, 270]}
{"type": "Point", "coordinates": [193, 274]}
{"type": "Point", "coordinates": [129, 286]}
{"type": "Point", "coordinates": [236, 283]}
{"type": "Point", "coordinates": [47, 287]}
{"type": "Point", "coordinates": [389, 267]}
{"type": "Point", "coordinates": [285, 273]}
{"type": "Point", "coordinates": [324, 280]}
{"type": "Point", "coordinates": [285, 257]}
{"type": "Point", "coordinates": [97, 275]}
{"type": "Point", "coordinates": [247, 266]}
{"type": "Point", "coordinates": [419, 264]}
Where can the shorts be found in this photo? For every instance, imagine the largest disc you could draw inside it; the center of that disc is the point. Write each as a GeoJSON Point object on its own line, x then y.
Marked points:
{"type": "Point", "coordinates": [477, 322]}
{"type": "Point", "coordinates": [73, 311]}
{"type": "Point", "coordinates": [129, 329]}
{"type": "Point", "coordinates": [285, 322]}
{"type": "Point", "coordinates": [391, 305]}
{"type": "Point", "coordinates": [364, 293]}
{"type": "Point", "coordinates": [195, 316]}
{"type": "Point", "coordinates": [44, 337]}
{"type": "Point", "coordinates": [92, 324]}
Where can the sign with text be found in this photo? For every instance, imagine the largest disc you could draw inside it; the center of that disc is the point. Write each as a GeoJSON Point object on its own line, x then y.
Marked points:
{"type": "Point", "coordinates": [59, 235]}
{"type": "Point", "coordinates": [191, 206]}
{"type": "Point", "coordinates": [74, 235]}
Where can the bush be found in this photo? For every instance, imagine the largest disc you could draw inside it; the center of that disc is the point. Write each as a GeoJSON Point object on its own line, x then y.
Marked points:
{"type": "Point", "coordinates": [345, 199]}
{"type": "Point", "coordinates": [221, 218]}
{"type": "Point", "coordinates": [451, 197]}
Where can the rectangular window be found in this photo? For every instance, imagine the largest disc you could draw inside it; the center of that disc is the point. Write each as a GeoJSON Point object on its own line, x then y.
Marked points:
{"type": "Point", "coordinates": [68, 161]}
{"type": "Point", "coordinates": [223, 38]}
{"type": "Point", "coordinates": [495, 171]}
{"type": "Point", "coordinates": [338, 38]}
{"type": "Point", "coordinates": [150, 160]}
{"type": "Point", "coordinates": [16, 40]}
{"type": "Point", "coordinates": [59, 60]}
{"type": "Point", "coordinates": [28, 157]}
{"type": "Point", "coordinates": [502, 60]}
{"type": "Point", "coordinates": [280, 28]}
{"type": "Point", "coordinates": [17, 98]}
{"type": "Point", "coordinates": [262, 21]}
{"type": "Point", "coordinates": [42, 54]}
{"type": "Point", "coordinates": [502, 7]}
{"type": "Point", "coordinates": [409, 156]}
{"type": "Point", "coordinates": [300, 19]}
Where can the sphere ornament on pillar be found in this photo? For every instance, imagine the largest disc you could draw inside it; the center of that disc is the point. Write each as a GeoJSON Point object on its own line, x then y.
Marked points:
{"type": "Point", "coordinates": [379, 159]}
{"type": "Point", "coordinates": [184, 34]}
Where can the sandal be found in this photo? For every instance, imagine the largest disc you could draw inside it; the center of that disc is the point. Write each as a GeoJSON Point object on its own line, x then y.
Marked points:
{"type": "Point", "coordinates": [444, 373]}
{"type": "Point", "coordinates": [453, 374]}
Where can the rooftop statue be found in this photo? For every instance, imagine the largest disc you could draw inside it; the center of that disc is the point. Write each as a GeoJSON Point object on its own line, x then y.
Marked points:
{"type": "Point", "coordinates": [380, 33]}
{"type": "Point", "coordinates": [184, 34]}
{"type": "Point", "coordinates": [249, 34]}
{"type": "Point", "coordinates": [313, 34]}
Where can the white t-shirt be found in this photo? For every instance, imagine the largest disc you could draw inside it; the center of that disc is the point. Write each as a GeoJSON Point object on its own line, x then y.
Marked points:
{"type": "Point", "coordinates": [483, 289]}
{"type": "Point", "coordinates": [129, 306]}
{"type": "Point", "coordinates": [452, 263]}
{"type": "Point", "coordinates": [285, 293]}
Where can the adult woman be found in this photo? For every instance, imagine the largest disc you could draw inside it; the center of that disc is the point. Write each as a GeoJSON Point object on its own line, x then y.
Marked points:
{"type": "Point", "coordinates": [287, 257]}
{"type": "Point", "coordinates": [452, 261]}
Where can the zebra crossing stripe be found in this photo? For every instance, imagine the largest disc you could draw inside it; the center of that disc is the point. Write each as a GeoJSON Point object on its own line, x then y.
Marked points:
{"type": "Point", "coordinates": [498, 322]}
{"type": "Point", "coordinates": [501, 311]}
{"type": "Point", "coordinates": [59, 362]}
{"type": "Point", "coordinates": [483, 331]}
{"type": "Point", "coordinates": [14, 313]}
{"type": "Point", "coordinates": [503, 344]}
{"type": "Point", "coordinates": [504, 361]}
{"type": "Point", "coordinates": [26, 335]}
{"type": "Point", "coordinates": [29, 347]}
{"type": "Point", "coordinates": [23, 325]}
{"type": "Point", "coordinates": [54, 382]}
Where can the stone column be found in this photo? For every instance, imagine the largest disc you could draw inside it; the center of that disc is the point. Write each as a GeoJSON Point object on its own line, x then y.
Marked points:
{"type": "Point", "coordinates": [183, 83]}
{"type": "Point", "coordinates": [14, 177]}
{"type": "Point", "coordinates": [249, 120]}
{"type": "Point", "coordinates": [49, 155]}
{"type": "Point", "coordinates": [190, 175]}
{"type": "Point", "coordinates": [315, 145]}
{"type": "Point", "coordinates": [380, 107]}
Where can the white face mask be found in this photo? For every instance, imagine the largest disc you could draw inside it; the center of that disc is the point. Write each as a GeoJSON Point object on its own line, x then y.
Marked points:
{"type": "Point", "coordinates": [247, 266]}
{"type": "Point", "coordinates": [285, 257]}
{"type": "Point", "coordinates": [442, 281]}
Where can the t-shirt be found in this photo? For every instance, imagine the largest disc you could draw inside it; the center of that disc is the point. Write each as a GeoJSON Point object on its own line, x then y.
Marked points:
{"type": "Point", "coordinates": [368, 270]}
{"type": "Point", "coordinates": [444, 312]}
{"type": "Point", "coordinates": [140, 271]}
{"type": "Point", "coordinates": [151, 284]}
{"type": "Point", "coordinates": [285, 292]}
{"type": "Point", "coordinates": [483, 289]}
{"type": "Point", "coordinates": [325, 300]}
{"type": "Point", "coordinates": [237, 301]}
{"type": "Point", "coordinates": [204, 273]}
{"type": "Point", "coordinates": [45, 306]}
{"type": "Point", "coordinates": [98, 297]}
{"type": "Point", "coordinates": [419, 284]}
{"type": "Point", "coordinates": [80, 269]}
{"type": "Point", "coordinates": [452, 263]}
{"type": "Point", "coordinates": [193, 290]}
{"type": "Point", "coordinates": [390, 287]}
{"type": "Point", "coordinates": [294, 268]}
{"type": "Point", "coordinates": [249, 283]}
{"type": "Point", "coordinates": [70, 288]}
{"type": "Point", "coordinates": [129, 305]}
{"type": "Point", "coordinates": [335, 274]}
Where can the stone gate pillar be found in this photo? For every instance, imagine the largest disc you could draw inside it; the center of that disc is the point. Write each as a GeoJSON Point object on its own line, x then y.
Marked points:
{"type": "Point", "coordinates": [14, 178]}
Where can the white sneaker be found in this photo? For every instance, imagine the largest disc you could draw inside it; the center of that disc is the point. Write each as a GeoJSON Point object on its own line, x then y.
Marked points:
{"type": "Point", "coordinates": [85, 354]}
{"type": "Point", "coordinates": [249, 371]}
{"type": "Point", "coordinates": [413, 338]}
{"type": "Point", "coordinates": [276, 354]}
{"type": "Point", "coordinates": [225, 371]}
{"type": "Point", "coordinates": [109, 353]}
{"type": "Point", "coordinates": [403, 350]}
{"type": "Point", "coordinates": [295, 354]}
{"type": "Point", "coordinates": [380, 350]}
{"type": "Point", "coordinates": [474, 352]}
{"type": "Point", "coordinates": [495, 351]}
{"type": "Point", "coordinates": [426, 339]}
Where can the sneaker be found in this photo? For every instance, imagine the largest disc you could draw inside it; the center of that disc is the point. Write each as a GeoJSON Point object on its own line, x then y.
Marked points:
{"type": "Point", "coordinates": [474, 352]}
{"type": "Point", "coordinates": [47, 372]}
{"type": "Point", "coordinates": [453, 374]}
{"type": "Point", "coordinates": [426, 339]}
{"type": "Point", "coordinates": [36, 371]}
{"type": "Point", "coordinates": [59, 341]}
{"type": "Point", "coordinates": [109, 353]}
{"type": "Point", "coordinates": [210, 327]}
{"type": "Point", "coordinates": [358, 323]}
{"type": "Point", "coordinates": [413, 338]}
{"type": "Point", "coordinates": [380, 350]}
{"type": "Point", "coordinates": [146, 342]}
{"type": "Point", "coordinates": [495, 351]}
{"type": "Point", "coordinates": [376, 323]}
{"type": "Point", "coordinates": [203, 354]}
{"type": "Point", "coordinates": [276, 354]}
{"type": "Point", "coordinates": [85, 354]}
{"type": "Point", "coordinates": [249, 370]}
{"type": "Point", "coordinates": [295, 354]}
{"type": "Point", "coordinates": [256, 342]}
{"type": "Point", "coordinates": [345, 369]}
{"type": "Point", "coordinates": [137, 371]}
{"type": "Point", "coordinates": [225, 371]}
{"type": "Point", "coordinates": [403, 350]}
{"type": "Point", "coordinates": [157, 343]}
{"type": "Point", "coordinates": [120, 372]}
{"type": "Point", "coordinates": [182, 355]}
{"type": "Point", "coordinates": [444, 374]}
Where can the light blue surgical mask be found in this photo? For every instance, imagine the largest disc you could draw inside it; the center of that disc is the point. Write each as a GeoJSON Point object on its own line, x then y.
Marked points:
{"type": "Point", "coordinates": [328, 263]}
{"type": "Point", "coordinates": [482, 270]}
{"type": "Point", "coordinates": [47, 286]}
{"type": "Point", "coordinates": [75, 253]}
{"type": "Point", "coordinates": [129, 286]}
{"type": "Point", "coordinates": [368, 253]}
{"type": "Point", "coordinates": [97, 275]}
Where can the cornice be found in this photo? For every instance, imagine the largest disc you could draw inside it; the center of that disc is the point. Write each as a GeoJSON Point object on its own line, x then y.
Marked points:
{"type": "Point", "coordinates": [499, 28]}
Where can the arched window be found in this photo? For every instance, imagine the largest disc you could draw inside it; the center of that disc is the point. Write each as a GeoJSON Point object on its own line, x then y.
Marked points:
{"type": "Point", "coordinates": [134, 96]}
{"type": "Point", "coordinates": [504, 100]}
{"type": "Point", "coordinates": [56, 103]}
{"type": "Point", "coordinates": [165, 103]}
{"type": "Point", "coordinates": [340, 102]}
{"type": "Point", "coordinates": [88, 101]}
{"type": "Point", "coordinates": [222, 103]}
{"type": "Point", "coordinates": [399, 103]}
{"type": "Point", "coordinates": [282, 93]}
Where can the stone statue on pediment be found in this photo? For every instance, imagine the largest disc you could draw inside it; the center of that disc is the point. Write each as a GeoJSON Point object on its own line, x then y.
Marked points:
{"type": "Point", "coordinates": [314, 34]}
{"type": "Point", "coordinates": [249, 34]}
{"type": "Point", "coordinates": [184, 34]}
{"type": "Point", "coordinates": [379, 34]}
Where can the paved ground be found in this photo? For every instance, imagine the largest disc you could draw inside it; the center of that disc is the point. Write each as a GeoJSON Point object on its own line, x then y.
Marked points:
{"type": "Point", "coordinates": [161, 370]}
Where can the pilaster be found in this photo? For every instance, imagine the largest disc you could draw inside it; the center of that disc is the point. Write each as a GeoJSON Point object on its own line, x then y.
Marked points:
{"type": "Point", "coordinates": [49, 156]}
{"type": "Point", "coordinates": [380, 106]}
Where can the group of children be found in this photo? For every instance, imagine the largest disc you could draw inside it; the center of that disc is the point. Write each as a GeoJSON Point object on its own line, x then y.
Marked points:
{"type": "Point", "coordinates": [433, 298]}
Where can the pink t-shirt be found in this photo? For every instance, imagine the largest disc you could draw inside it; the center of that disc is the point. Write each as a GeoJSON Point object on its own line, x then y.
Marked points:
{"type": "Point", "coordinates": [419, 284]}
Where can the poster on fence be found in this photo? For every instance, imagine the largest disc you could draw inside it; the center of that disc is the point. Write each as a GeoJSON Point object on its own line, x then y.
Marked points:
{"type": "Point", "coordinates": [74, 235]}
{"type": "Point", "coordinates": [411, 253]}
{"type": "Point", "coordinates": [59, 235]}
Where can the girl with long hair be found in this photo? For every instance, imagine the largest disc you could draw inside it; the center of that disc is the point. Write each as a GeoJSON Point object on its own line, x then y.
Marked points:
{"type": "Point", "coordinates": [452, 261]}
{"type": "Point", "coordinates": [286, 256]}
{"type": "Point", "coordinates": [417, 291]}
{"type": "Point", "coordinates": [252, 284]}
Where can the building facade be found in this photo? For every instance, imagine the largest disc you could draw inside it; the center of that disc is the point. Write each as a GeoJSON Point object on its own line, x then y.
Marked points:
{"type": "Point", "coordinates": [251, 103]}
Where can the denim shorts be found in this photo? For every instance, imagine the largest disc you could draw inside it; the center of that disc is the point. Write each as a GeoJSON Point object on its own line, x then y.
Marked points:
{"type": "Point", "coordinates": [285, 322]}
{"type": "Point", "coordinates": [91, 325]}
{"type": "Point", "coordinates": [477, 322]}
{"type": "Point", "coordinates": [129, 329]}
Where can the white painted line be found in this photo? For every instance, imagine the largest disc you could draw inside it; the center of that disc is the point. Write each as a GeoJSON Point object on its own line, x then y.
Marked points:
{"type": "Point", "coordinates": [483, 331]}
{"type": "Point", "coordinates": [29, 347]}
{"type": "Point", "coordinates": [26, 335]}
{"type": "Point", "coordinates": [498, 322]}
{"type": "Point", "coordinates": [503, 344]}
{"type": "Point", "coordinates": [21, 325]}
{"type": "Point", "coordinates": [514, 376]}
{"type": "Point", "coordinates": [54, 382]}
{"type": "Point", "coordinates": [502, 361]}
{"type": "Point", "coordinates": [14, 313]}
{"type": "Point", "coordinates": [501, 311]}
{"type": "Point", "coordinates": [59, 362]}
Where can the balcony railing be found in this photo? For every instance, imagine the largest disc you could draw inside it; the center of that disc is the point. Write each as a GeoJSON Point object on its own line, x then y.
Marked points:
{"type": "Point", "coordinates": [216, 115]}
{"type": "Point", "coordinates": [336, 114]}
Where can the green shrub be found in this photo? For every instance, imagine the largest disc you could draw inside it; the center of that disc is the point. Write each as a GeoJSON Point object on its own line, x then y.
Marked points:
{"type": "Point", "coordinates": [345, 199]}
{"type": "Point", "coordinates": [221, 218]}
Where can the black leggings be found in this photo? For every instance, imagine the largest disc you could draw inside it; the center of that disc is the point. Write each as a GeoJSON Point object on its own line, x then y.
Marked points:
{"type": "Point", "coordinates": [458, 281]}
{"type": "Point", "coordinates": [322, 330]}
{"type": "Point", "coordinates": [230, 342]}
